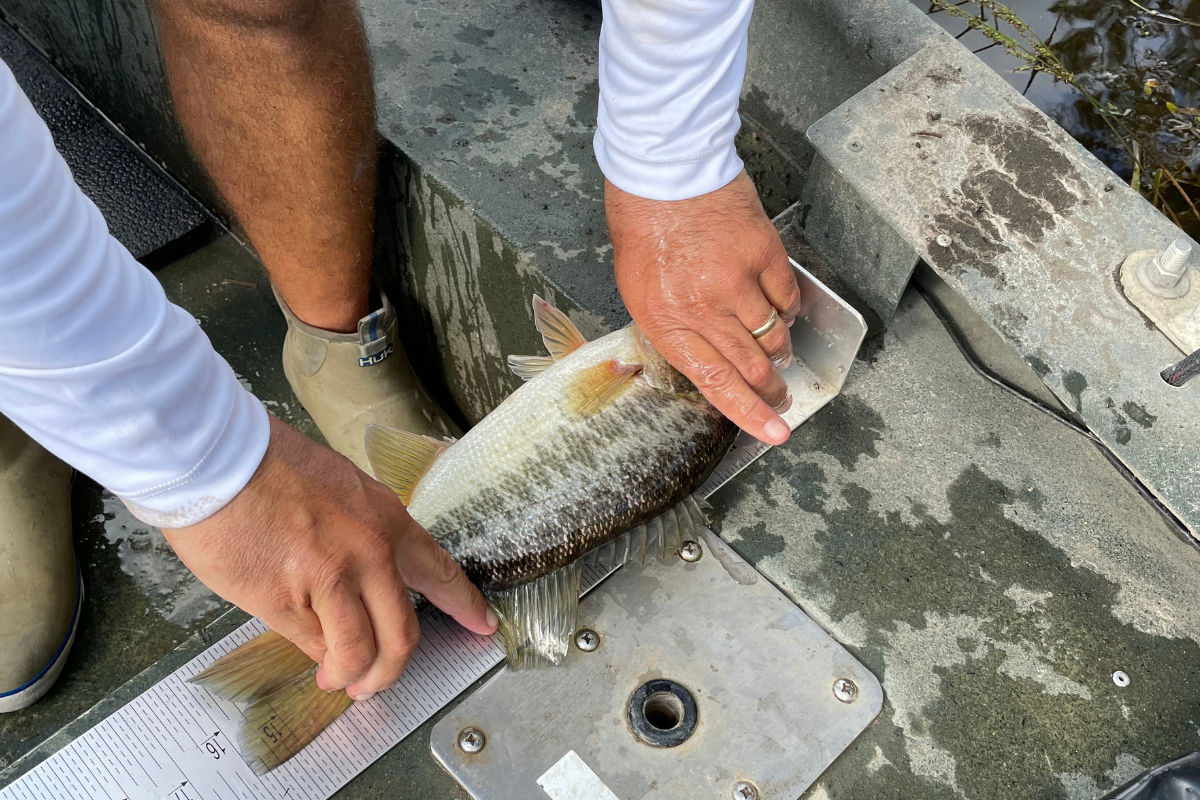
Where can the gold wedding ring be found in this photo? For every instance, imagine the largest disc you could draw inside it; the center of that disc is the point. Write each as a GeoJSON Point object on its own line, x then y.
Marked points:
{"type": "Point", "coordinates": [765, 328]}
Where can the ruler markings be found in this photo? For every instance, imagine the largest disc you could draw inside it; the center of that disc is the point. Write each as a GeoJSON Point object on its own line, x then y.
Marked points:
{"type": "Point", "coordinates": [162, 733]}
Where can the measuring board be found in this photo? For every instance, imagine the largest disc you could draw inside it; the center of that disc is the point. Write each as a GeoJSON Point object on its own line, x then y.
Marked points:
{"type": "Point", "coordinates": [177, 741]}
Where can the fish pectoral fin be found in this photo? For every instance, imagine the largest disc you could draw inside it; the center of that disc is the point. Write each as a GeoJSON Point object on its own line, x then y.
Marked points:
{"type": "Point", "coordinates": [526, 367]}
{"type": "Point", "coordinates": [278, 725]}
{"type": "Point", "coordinates": [598, 385]}
{"type": "Point", "coordinates": [256, 668]}
{"type": "Point", "coordinates": [400, 458]}
{"type": "Point", "coordinates": [558, 332]}
{"type": "Point", "coordinates": [538, 618]}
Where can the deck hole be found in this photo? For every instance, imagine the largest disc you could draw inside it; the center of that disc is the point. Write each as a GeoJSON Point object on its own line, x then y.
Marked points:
{"type": "Point", "coordinates": [663, 711]}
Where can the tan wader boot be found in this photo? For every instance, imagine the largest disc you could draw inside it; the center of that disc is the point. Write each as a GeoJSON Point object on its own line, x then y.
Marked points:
{"type": "Point", "coordinates": [347, 381]}
{"type": "Point", "coordinates": [40, 588]}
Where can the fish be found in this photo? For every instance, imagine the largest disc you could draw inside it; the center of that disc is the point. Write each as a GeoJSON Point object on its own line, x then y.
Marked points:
{"type": "Point", "coordinates": [594, 459]}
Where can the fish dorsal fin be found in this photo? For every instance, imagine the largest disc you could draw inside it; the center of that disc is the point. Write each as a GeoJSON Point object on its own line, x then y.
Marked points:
{"type": "Point", "coordinates": [538, 618]}
{"type": "Point", "coordinates": [659, 538]}
{"type": "Point", "coordinates": [558, 332]}
{"type": "Point", "coordinates": [528, 367]}
{"type": "Point", "coordinates": [596, 386]}
{"type": "Point", "coordinates": [400, 458]}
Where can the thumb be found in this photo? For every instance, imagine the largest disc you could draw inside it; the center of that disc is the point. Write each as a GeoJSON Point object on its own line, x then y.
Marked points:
{"type": "Point", "coordinates": [428, 569]}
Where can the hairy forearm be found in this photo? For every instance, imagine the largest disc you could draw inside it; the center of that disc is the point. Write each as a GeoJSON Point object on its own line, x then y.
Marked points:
{"type": "Point", "coordinates": [275, 97]}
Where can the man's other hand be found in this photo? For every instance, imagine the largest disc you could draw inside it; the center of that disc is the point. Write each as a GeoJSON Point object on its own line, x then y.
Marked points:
{"type": "Point", "coordinates": [697, 277]}
{"type": "Point", "coordinates": [323, 554]}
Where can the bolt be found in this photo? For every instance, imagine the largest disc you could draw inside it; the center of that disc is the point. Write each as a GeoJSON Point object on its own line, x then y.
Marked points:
{"type": "Point", "coordinates": [744, 790]}
{"type": "Point", "coordinates": [691, 552]}
{"type": "Point", "coordinates": [845, 690]}
{"type": "Point", "coordinates": [944, 241]}
{"type": "Point", "coordinates": [587, 640]}
{"type": "Point", "coordinates": [471, 740]}
{"type": "Point", "coordinates": [1121, 679]}
{"type": "Point", "coordinates": [1166, 274]}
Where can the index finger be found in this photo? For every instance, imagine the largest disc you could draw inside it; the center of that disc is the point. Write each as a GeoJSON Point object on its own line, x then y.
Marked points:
{"type": "Point", "coordinates": [723, 386]}
{"type": "Point", "coordinates": [428, 569]}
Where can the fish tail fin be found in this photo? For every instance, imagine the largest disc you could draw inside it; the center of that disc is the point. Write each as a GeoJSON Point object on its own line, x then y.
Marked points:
{"type": "Point", "coordinates": [279, 724]}
{"type": "Point", "coordinates": [400, 458]}
{"type": "Point", "coordinates": [538, 618]}
{"type": "Point", "coordinates": [255, 668]}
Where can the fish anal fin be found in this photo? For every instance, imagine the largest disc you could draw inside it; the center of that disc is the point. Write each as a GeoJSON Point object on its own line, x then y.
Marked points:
{"type": "Point", "coordinates": [528, 367]}
{"type": "Point", "coordinates": [538, 618]}
{"type": "Point", "coordinates": [278, 725]}
{"type": "Point", "coordinates": [255, 668]}
{"type": "Point", "coordinates": [400, 458]}
{"type": "Point", "coordinates": [558, 332]}
{"type": "Point", "coordinates": [600, 384]}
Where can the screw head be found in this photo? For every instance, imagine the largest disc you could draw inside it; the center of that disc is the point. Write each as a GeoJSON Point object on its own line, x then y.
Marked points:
{"type": "Point", "coordinates": [744, 790]}
{"type": "Point", "coordinates": [1121, 679]}
{"type": "Point", "coordinates": [944, 241]}
{"type": "Point", "coordinates": [691, 552]}
{"type": "Point", "coordinates": [845, 690]}
{"type": "Point", "coordinates": [587, 640]}
{"type": "Point", "coordinates": [471, 740]}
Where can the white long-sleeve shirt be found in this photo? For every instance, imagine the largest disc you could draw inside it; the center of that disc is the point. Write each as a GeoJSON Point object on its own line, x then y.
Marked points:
{"type": "Point", "coordinates": [97, 365]}
{"type": "Point", "coordinates": [670, 77]}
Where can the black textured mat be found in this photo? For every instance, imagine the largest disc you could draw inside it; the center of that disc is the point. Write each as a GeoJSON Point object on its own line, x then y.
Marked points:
{"type": "Point", "coordinates": [145, 210]}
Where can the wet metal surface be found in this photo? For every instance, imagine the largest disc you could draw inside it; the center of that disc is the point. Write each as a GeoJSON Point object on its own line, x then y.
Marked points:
{"type": "Point", "coordinates": [1030, 229]}
{"type": "Point", "coordinates": [755, 682]}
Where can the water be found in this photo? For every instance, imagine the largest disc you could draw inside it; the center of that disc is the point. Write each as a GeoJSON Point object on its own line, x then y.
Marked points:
{"type": "Point", "coordinates": [1124, 56]}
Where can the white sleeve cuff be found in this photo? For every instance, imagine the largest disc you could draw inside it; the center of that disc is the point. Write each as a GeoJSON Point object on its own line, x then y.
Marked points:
{"type": "Point", "coordinates": [221, 474]}
{"type": "Point", "coordinates": [677, 179]}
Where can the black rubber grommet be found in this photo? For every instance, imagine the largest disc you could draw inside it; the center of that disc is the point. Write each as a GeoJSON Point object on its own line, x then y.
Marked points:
{"type": "Point", "coordinates": [663, 713]}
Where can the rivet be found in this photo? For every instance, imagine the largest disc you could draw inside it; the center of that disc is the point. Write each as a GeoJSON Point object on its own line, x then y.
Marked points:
{"type": "Point", "coordinates": [744, 790]}
{"type": "Point", "coordinates": [691, 552]}
{"type": "Point", "coordinates": [845, 690]}
{"type": "Point", "coordinates": [587, 640]}
{"type": "Point", "coordinates": [855, 147]}
{"type": "Point", "coordinates": [944, 241]}
{"type": "Point", "coordinates": [1121, 679]}
{"type": "Point", "coordinates": [471, 740]}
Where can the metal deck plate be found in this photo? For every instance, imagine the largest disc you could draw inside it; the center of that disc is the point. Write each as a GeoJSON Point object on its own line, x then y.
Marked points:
{"type": "Point", "coordinates": [761, 672]}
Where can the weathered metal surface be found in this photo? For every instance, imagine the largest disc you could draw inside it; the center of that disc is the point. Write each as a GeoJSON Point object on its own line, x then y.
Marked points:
{"type": "Point", "coordinates": [1030, 229]}
{"type": "Point", "coordinates": [761, 672]}
{"type": "Point", "coordinates": [847, 230]}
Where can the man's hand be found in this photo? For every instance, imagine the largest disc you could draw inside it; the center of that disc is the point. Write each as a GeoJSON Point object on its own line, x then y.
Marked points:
{"type": "Point", "coordinates": [323, 554]}
{"type": "Point", "coordinates": [697, 277]}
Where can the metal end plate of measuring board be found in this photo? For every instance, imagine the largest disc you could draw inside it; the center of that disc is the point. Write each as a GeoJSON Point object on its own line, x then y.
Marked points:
{"type": "Point", "coordinates": [825, 339]}
{"type": "Point", "coordinates": [709, 647]}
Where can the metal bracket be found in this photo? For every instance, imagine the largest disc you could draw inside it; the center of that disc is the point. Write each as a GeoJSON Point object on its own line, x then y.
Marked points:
{"type": "Point", "coordinates": [825, 339]}
{"type": "Point", "coordinates": [776, 700]}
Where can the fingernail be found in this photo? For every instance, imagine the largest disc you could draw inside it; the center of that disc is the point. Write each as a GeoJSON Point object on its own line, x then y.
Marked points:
{"type": "Point", "coordinates": [491, 618]}
{"type": "Point", "coordinates": [777, 431]}
{"type": "Point", "coordinates": [785, 405]}
{"type": "Point", "coordinates": [782, 362]}
{"type": "Point", "coordinates": [790, 322]}
{"type": "Point", "coordinates": [364, 697]}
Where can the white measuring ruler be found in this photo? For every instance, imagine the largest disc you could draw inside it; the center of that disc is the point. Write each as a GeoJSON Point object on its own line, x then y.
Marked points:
{"type": "Point", "coordinates": [176, 741]}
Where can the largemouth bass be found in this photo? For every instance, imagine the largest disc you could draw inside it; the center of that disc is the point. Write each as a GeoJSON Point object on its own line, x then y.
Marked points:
{"type": "Point", "coordinates": [594, 458]}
